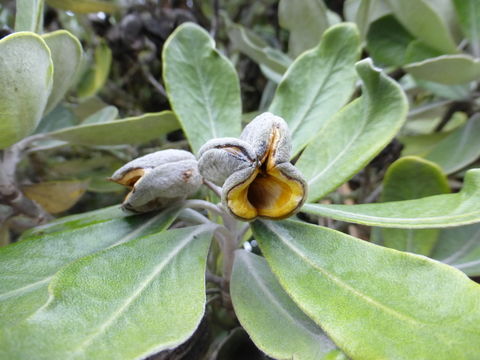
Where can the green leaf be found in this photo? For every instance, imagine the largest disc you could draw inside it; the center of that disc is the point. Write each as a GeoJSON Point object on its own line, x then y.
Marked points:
{"type": "Point", "coordinates": [318, 84]}
{"type": "Point", "coordinates": [88, 107]}
{"type": "Point", "coordinates": [468, 12]}
{"type": "Point", "coordinates": [454, 92]}
{"type": "Point", "coordinates": [134, 130]}
{"type": "Point", "coordinates": [250, 44]}
{"type": "Point", "coordinates": [412, 178]}
{"type": "Point", "coordinates": [29, 15]}
{"type": "Point", "coordinates": [431, 212]}
{"type": "Point", "coordinates": [27, 267]}
{"type": "Point", "coordinates": [60, 117]}
{"type": "Point", "coordinates": [367, 11]}
{"type": "Point", "coordinates": [67, 54]}
{"type": "Point", "coordinates": [374, 302]}
{"type": "Point", "coordinates": [202, 86]}
{"type": "Point", "coordinates": [387, 41]}
{"type": "Point", "coordinates": [108, 113]}
{"type": "Point", "coordinates": [447, 69]}
{"type": "Point", "coordinates": [364, 13]}
{"type": "Point", "coordinates": [96, 76]}
{"type": "Point", "coordinates": [126, 302]}
{"type": "Point", "coordinates": [425, 123]}
{"type": "Point", "coordinates": [419, 51]}
{"type": "Point", "coordinates": [84, 6]}
{"type": "Point", "coordinates": [356, 134]}
{"type": "Point", "coordinates": [406, 179]}
{"type": "Point", "coordinates": [276, 325]}
{"type": "Point", "coordinates": [459, 149]}
{"type": "Point", "coordinates": [446, 11]}
{"type": "Point", "coordinates": [421, 145]}
{"type": "Point", "coordinates": [76, 221]}
{"type": "Point", "coordinates": [56, 196]}
{"type": "Point", "coordinates": [26, 73]}
{"type": "Point", "coordinates": [425, 23]}
{"type": "Point", "coordinates": [305, 20]}
{"type": "Point", "coordinates": [460, 247]}
{"type": "Point", "coordinates": [97, 169]}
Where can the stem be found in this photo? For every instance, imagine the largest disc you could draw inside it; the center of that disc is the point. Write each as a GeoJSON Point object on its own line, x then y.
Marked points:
{"type": "Point", "coordinates": [228, 235]}
{"type": "Point", "coordinates": [194, 216]}
{"type": "Point", "coordinates": [191, 215]}
{"type": "Point", "coordinates": [230, 243]}
{"type": "Point", "coordinates": [230, 246]}
{"type": "Point", "coordinates": [216, 189]}
{"type": "Point", "coordinates": [206, 205]}
{"type": "Point", "coordinates": [151, 79]}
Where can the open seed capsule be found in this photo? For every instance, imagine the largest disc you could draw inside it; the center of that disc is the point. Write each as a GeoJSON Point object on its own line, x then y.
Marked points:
{"type": "Point", "coordinates": [260, 180]}
{"type": "Point", "coordinates": [158, 179]}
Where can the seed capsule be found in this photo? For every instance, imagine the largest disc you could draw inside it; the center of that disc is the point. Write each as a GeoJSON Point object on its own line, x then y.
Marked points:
{"type": "Point", "coordinates": [219, 158]}
{"type": "Point", "coordinates": [258, 179]}
{"type": "Point", "coordinates": [158, 179]}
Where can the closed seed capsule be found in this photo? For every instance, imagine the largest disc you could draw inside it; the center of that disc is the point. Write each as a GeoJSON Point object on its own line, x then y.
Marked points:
{"type": "Point", "coordinates": [158, 179]}
{"type": "Point", "coordinates": [219, 158]}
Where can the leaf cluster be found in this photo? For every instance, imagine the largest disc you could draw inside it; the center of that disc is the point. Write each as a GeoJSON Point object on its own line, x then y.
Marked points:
{"type": "Point", "coordinates": [383, 114]}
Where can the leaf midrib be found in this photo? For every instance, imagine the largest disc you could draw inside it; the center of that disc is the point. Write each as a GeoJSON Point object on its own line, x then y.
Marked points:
{"type": "Point", "coordinates": [273, 299]}
{"type": "Point", "coordinates": [463, 250]}
{"type": "Point", "coordinates": [308, 109]}
{"type": "Point", "coordinates": [402, 221]}
{"type": "Point", "coordinates": [25, 289]}
{"type": "Point", "coordinates": [369, 300]}
{"type": "Point", "coordinates": [206, 100]}
{"type": "Point", "coordinates": [344, 150]}
{"type": "Point", "coordinates": [138, 291]}
{"type": "Point", "coordinates": [33, 285]}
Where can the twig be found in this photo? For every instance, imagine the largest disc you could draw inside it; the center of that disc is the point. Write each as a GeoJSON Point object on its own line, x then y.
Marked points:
{"type": "Point", "coordinates": [13, 155]}
{"type": "Point", "coordinates": [213, 298]}
{"type": "Point", "coordinates": [218, 280]}
{"type": "Point", "coordinates": [452, 109]}
{"type": "Point", "coordinates": [151, 79]}
{"type": "Point", "coordinates": [214, 22]}
{"type": "Point", "coordinates": [9, 192]}
{"type": "Point", "coordinates": [374, 194]}
{"type": "Point", "coordinates": [213, 291]}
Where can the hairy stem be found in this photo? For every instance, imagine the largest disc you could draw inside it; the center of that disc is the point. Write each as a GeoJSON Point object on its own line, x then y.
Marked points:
{"type": "Point", "coordinates": [216, 189]}
{"type": "Point", "coordinates": [228, 236]}
{"type": "Point", "coordinates": [203, 204]}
